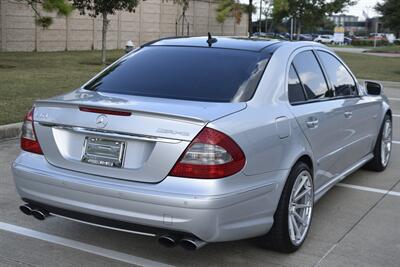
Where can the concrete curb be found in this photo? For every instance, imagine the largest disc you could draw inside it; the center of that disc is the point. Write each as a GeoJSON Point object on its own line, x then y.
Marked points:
{"type": "Point", "coordinates": [10, 130]}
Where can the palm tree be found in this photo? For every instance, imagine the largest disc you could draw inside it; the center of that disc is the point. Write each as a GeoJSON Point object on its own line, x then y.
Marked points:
{"type": "Point", "coordinates": [233, 8]}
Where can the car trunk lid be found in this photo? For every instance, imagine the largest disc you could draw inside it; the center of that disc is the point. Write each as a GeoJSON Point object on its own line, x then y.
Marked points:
{"type": "Point", "coordinates": [142, 143]}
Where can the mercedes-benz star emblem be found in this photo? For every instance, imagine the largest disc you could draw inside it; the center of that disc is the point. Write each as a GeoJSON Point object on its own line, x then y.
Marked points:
{"type": "Point", "coordinates": [101, 121]}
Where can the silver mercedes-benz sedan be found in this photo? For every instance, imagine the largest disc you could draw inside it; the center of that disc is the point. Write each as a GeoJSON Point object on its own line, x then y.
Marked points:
{"type": "Point", "coordinates": [197, 140]}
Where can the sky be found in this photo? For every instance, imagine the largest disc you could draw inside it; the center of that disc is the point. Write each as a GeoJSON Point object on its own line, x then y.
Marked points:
{"type": "Point", "coordinates": [367, 5]}
{"type": "Point", "coordinates": [356, 10]}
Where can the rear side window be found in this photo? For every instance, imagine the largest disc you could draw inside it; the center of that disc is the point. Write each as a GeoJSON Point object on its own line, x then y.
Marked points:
{"type": "Point", "coordinates": [341, 79]}
{"type": "Point", "coordinates": [311, 76]}
{"type": "Point", "coordinates": [295, 89]}
{"type": "Point", "coordinates": [188, 73]}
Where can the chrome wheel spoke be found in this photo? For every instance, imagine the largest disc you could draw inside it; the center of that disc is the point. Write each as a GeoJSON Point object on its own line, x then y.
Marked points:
{"type": "Point", "coordinates": [296, 227]}
{"type": "Point", "coordinates": [291, 228]}
{"type": "Point", "coordinates": [302, 194]}
{"type": "Point", "coordinates": [300, 186]}
{"type": "Point", "coordinates": [300, 219]}
{"type": "Point", "coordinates": [302, 206]}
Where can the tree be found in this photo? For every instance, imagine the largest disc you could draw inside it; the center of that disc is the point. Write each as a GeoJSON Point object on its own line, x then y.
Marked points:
{"type": "Point", "coordinates": [307, 12]}
{"type": "Point", "coordinates": [104, 8]}
{"type": "Point", "coordinates": [390, 10]}
{"type": "Point", "coordinates": [267, 11]}
{"type": "Point", "coordinates": [185, 5]}
{"type": "Point", "coordinates": [230, 8]}
{"type": "Point", "coordinates": [233, 8]}
{"type": "Point", "coordinates": [62, 7]}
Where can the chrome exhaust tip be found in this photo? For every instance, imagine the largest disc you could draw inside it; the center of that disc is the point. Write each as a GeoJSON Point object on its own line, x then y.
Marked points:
{"type": "Point", "coordinates": [168, 241]}
{"type": "Point", "coordinates": [40, 214]}
{"type": "Point", "coordinates": [26, 209]}
{"type": "Point", "coordinates": [192, 243]}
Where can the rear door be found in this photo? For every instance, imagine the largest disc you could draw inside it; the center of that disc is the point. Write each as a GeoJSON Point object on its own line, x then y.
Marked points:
{"type": "Point", "coordinates": [318, 115]}
{"type": "Point", "coordinates": [359, 113]}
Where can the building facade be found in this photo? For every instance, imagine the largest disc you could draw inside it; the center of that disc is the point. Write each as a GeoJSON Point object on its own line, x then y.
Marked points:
{"type": "Point", "coordinates": [153, 19]}
{"type": "Point", "coordinates": [341, 19]}
{"type": "Point", "coordinates": [353, 25]}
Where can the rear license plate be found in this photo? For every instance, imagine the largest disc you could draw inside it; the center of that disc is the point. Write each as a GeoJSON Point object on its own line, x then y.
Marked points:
{"type": "Point", "coordinates": [103, 152]}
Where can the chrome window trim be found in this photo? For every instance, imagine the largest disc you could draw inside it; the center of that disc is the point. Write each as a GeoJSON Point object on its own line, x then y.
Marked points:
{"type": "Point", "coordinates": [323, 100]}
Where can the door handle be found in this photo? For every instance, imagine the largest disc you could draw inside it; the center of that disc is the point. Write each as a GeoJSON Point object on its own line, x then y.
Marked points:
{"type": "Point", "coordinates": [348, 114]}
{"type": "Point", "coordinates": [312, 123]}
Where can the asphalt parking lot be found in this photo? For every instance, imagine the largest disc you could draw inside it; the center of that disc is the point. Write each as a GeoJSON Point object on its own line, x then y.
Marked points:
{"type": "Point", "coordinates": [357, 223]}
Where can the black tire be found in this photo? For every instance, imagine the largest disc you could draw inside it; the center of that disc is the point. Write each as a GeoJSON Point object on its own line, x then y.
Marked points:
{"type": "Point", "coordinates": [278, 238]}
{"type": "Point", "coordinates": [375, 164]}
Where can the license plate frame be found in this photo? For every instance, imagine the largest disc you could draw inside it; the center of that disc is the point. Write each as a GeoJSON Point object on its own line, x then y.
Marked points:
{"type": "Point", "coordinates": [103, 152]}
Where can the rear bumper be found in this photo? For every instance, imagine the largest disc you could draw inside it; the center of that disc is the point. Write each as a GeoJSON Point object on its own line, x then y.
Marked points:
{"type": "Point", "coordinates": [213, 210]}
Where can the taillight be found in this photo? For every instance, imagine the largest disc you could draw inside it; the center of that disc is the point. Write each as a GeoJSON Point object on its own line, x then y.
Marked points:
{"type": "Point", "coordinates": [29, 141]}
{"type": "Point", "coordinates": [211, 154]}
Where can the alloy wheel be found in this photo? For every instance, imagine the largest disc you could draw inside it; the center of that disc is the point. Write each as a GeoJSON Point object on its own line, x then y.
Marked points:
{"type": "Point", "coordinates": [386, 143]}
{"type": "Point", "coordinates": [300, 207]}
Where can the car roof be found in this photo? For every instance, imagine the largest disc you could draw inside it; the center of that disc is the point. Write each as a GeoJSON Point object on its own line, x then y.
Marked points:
{"type": "Point", "coordinates": [239, 43]}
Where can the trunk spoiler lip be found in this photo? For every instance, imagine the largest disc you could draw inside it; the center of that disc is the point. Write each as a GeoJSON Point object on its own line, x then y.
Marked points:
{"type": "Point", "coordinates": [185, 118]}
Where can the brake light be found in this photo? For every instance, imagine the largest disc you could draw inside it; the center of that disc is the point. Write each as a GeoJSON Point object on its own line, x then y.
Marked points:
{"type": "Point", "coordinates": [29, 141]}
{"type": "Point", "coordinates": [210, 155]}
{"type": "Point", "coordinates": [105, 111]}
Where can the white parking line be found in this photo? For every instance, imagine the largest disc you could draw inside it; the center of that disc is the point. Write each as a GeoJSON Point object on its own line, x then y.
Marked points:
{"type": "Point", "coordinates": [396, 142]}
{"type": "Point", "coordinates": [111, 254]}
{"type": "Point", "coordinates": [394, 98]}
{"type": "Point", "coordinates": [395, 115]}
{"type": "Point", "coordinates": [370, 189]}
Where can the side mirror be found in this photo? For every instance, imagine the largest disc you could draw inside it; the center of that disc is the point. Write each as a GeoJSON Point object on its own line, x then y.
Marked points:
{"type": "Point", "coordinates": [373, 88]}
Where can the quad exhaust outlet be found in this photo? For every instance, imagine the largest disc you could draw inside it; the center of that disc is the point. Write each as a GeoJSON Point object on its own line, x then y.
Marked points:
{"type": "Point", "coordinates": [188, 243]}
{"type": "Point", "coordinates": [40, 214]}
{"type": "Point", "coordinates": [26, 209]}
{"type": "Point", "coordinates": [166, 240]}
{"type": "Point", "coordinates": [191, 243]}
{"type": "Point", "coordinates": [37, 213]}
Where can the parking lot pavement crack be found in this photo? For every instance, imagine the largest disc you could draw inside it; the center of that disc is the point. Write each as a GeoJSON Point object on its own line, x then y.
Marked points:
{"type": "Point", "coordinates": [11, 260]}
{"type": "Point", "coordinates": [356, 223]}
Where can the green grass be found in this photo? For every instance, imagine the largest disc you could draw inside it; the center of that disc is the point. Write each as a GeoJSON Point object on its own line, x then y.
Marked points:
{"type": "Point", "coordinates": [342, 46]}
{"type": "Point", "coordinates": [387, 49]}
{"type": "Point", "coordinates": [373, 67]}
{"type": "Point", "coordinates": [25, 77]}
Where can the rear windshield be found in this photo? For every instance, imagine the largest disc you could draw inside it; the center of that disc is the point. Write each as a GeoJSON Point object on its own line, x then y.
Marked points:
{"type": "Point", "coordinates": [188, 73]}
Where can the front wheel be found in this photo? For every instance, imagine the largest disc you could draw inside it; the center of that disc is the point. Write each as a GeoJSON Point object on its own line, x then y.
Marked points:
{"type": "Point", "coordinates": [293, 216]}
{"type": "Point", "coordinates": [383, 147]}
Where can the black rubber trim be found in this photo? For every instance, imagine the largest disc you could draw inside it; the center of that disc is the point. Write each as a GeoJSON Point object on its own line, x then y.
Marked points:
{"type": "Point", "coordinates": [101, 221]}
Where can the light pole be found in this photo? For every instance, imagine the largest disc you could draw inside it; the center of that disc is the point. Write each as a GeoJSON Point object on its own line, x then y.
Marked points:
{"type": "Point", "coordinates": [291, 28]}
{"type": "Point", "coordinates": [259, 23]}
{"type": "Point", "coordinates": [376, 31]}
